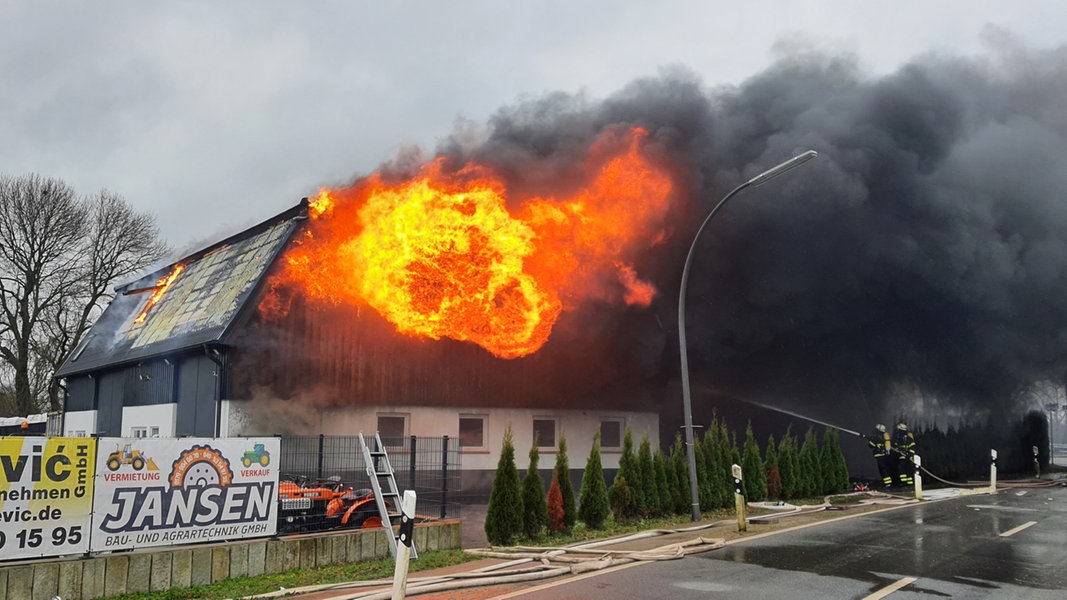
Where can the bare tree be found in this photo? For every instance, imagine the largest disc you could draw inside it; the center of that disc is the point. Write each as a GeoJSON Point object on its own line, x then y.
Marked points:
{"type": "Point", "coordinates": [119, 243]}
{"type": "Point", "coordinates": [60, 255]}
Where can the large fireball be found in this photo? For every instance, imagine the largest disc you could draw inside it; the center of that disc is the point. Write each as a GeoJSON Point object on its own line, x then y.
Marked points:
{"type": "Point", "coordinates": [441, 255]}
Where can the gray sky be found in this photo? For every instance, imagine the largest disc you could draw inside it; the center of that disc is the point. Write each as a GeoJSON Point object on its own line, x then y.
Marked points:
{"type": "Point", "coordinates": [214, 116]}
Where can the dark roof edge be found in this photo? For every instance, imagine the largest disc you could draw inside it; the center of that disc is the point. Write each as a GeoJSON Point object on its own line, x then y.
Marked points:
{"type": "Point", "coordinates": [299, 210]}
{"type": "Point", "coordinates": [125, 364]}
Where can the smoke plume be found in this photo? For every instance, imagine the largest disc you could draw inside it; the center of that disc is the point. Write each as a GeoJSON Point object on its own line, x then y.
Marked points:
{"type": "Point", "coordinates": [924, 250]}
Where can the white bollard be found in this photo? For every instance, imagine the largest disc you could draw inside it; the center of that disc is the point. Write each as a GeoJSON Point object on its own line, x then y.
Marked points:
{"type": "Point", "coordinates": [740, 504]}
{"type": "Point", "coordinates": [403, 548]}
{"type": "Point", "coordinates": [918, 461]}
{"type": "Point", "coordinates": [993, 472]}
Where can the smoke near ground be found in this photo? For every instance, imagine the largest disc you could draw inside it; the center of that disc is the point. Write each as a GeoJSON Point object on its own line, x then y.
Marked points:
{"type": "Point", "coordinates": [922, 255]}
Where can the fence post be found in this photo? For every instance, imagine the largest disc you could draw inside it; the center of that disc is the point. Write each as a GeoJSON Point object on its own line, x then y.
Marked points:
{"type": "Point", "coordinates": [444, 475]}
{"type": "Point", "coordinates": [412, 467]}
{"type": "Point", "coordinates": [322, 439]}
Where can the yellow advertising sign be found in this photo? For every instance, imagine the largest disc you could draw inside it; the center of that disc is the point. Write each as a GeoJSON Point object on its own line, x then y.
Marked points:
{"type": "Point", "coordinates": [46, 495]}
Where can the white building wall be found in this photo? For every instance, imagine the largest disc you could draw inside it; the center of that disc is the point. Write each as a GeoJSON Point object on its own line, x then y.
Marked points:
{"type": "Point", "coordinates": [228, 417]}
{"type": "Point", "coordinates": [79, 423]}
{"type": "Point", "coordinates": [245, 418]}
{"type": "Point", "coordinates": [157, 420]}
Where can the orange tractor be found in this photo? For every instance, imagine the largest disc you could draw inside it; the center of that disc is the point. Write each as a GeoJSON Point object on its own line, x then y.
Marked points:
{"type": "Point", "coordinates": [307, 505]}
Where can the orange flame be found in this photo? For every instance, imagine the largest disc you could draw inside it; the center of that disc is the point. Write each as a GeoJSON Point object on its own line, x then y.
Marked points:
{"type": "Point", "coordinates": [161, 286]}
{"type": "Point", "coordinates": [441, 255]}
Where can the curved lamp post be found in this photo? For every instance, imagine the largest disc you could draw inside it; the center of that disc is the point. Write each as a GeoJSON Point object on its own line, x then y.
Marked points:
{"type": "Point", "coordinates": [760, 179]}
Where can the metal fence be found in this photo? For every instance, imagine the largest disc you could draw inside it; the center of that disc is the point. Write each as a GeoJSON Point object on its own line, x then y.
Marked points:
{"type": "Point", "coordinates": [428, 465]}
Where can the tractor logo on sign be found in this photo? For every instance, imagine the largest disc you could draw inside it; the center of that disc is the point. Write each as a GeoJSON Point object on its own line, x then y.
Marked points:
{"type": "Point", "coordinates": [129, 455]}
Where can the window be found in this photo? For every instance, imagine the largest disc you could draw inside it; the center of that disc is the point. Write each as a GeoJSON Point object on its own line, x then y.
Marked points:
{"type": "Point", "coordinates": [140, 432]}
{"type": "Point", "coordinates": [544, 431]}
{"type": "Point", "coordinates": [153, 432]}
{"type": "Point", "coordinates": [611, 433]}
{"type": "Point", "coordinates": [472, 432]}
{"type": "Point", "coordinates": [392, 426]}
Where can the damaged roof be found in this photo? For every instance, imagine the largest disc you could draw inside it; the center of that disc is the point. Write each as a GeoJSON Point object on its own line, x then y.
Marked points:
{"type": "Point", "coordinates": [207, 293]}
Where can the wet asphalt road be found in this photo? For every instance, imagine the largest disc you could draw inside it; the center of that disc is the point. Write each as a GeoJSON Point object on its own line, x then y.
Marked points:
{"type": "Point", "coordinates": [1011, 545]}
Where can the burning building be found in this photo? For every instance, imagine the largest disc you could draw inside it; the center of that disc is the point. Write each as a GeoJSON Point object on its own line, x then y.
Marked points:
{"type": "Point", "coordinates": [527, 275]}
{"type": "Point", "coordinates": [423, 305]}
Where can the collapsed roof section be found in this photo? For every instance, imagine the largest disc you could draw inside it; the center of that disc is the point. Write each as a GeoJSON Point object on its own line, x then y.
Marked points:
{"type": "Point", "coordinates": [189, 303]}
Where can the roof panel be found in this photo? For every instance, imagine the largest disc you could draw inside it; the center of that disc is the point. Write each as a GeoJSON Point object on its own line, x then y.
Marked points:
{"type": "Point", "coordinates": [197, 307]}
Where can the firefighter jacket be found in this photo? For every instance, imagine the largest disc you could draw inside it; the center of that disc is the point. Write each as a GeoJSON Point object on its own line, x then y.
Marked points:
{"type": "Point", "coordinates": [879, 443]}
{"type": "Point", "coordinates": [904, 443]}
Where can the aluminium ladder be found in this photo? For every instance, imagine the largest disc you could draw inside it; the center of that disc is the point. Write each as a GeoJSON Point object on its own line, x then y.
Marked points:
{"type": "Point", "coordinates": [387, 496]}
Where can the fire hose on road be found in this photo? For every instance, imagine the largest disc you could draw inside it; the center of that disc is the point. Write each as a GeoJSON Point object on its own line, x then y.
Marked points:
{"type": "Point", "coordinates": [528, 563]}
{"type": "Point", "coordinates": [543, 563]}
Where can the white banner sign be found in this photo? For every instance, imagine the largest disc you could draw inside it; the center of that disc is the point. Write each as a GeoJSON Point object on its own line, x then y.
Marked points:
{"type": "Point", "coordinates": [159, 492]}
{"type": "Point", "coordinates": [46, 495]}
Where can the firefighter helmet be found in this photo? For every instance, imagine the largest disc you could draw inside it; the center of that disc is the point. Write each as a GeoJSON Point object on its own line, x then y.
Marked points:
{"type": "Point", "coordinates": [902, 427]}
{"type": "Point", "coordinates": [880, 427]}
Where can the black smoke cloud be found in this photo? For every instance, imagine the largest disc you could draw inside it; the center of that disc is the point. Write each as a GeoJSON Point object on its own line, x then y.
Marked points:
{"type": "Point", "coordinates": [925, 249]}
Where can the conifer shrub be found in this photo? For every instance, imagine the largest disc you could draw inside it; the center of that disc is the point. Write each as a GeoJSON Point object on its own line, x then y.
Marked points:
{"type": "Point", "coordinates": [566, 488]}
{"type": "Point", "coordinates": [720, 483]}
{"type": "Point", "coordinates": [731, 450]}
{"type": "Point", "coordinates": [619, 497]}
{"type": "Point", "coordinates": [629, 468]}
{"type": "Point", "coordinates": [554, 505]}
{"type": "Point", "coordinates": [774, 483]}
{"type": "Point", "coordinates": [833, 464]}
{"type": "Point", "coordinates": [504, 515]}
{"type": "Point", "coordinates": [705, 490]}
{"type": "Point", "coordinates": [534, 509]}
{"type": "Point", "coordinates": [810, 465]}
{"type": "Point", "coordinates": [788, 466]}
{"type": "Point", "coordinates": [663, 484]}
{"type": "Point", "coordinates": [770, 467]}
{"type": "Point", "coordinates": [593, 506]}
{"type": "Point", "coordinates": [649, 494]}
{"type": "Point", "coordinates": [755, 479]}
{"type": "Point", "coordinates": [680, 467]}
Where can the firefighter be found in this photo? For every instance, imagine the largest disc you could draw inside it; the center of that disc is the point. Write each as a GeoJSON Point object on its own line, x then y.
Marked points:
{"type": "Point", "coordinates": [904, 449]}
{"type": "Point", "coordinates": [880, 445]}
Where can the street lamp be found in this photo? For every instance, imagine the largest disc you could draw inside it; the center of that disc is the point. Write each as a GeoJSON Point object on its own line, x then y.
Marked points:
{"type": "Point", "coordinates": [760, 179]}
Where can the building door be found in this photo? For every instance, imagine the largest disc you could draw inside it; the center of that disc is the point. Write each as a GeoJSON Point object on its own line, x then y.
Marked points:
{"type": "Point", "coordinates": [109, 405]}
{"type": "Point", "coordinates": [197, 397]}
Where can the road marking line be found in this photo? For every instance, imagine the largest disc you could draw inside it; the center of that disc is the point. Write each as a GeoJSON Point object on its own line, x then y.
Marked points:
{"type": "Point", "coordinates": [1018, 529]}
{"type": "Point", "coordinates": [889, 589]}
